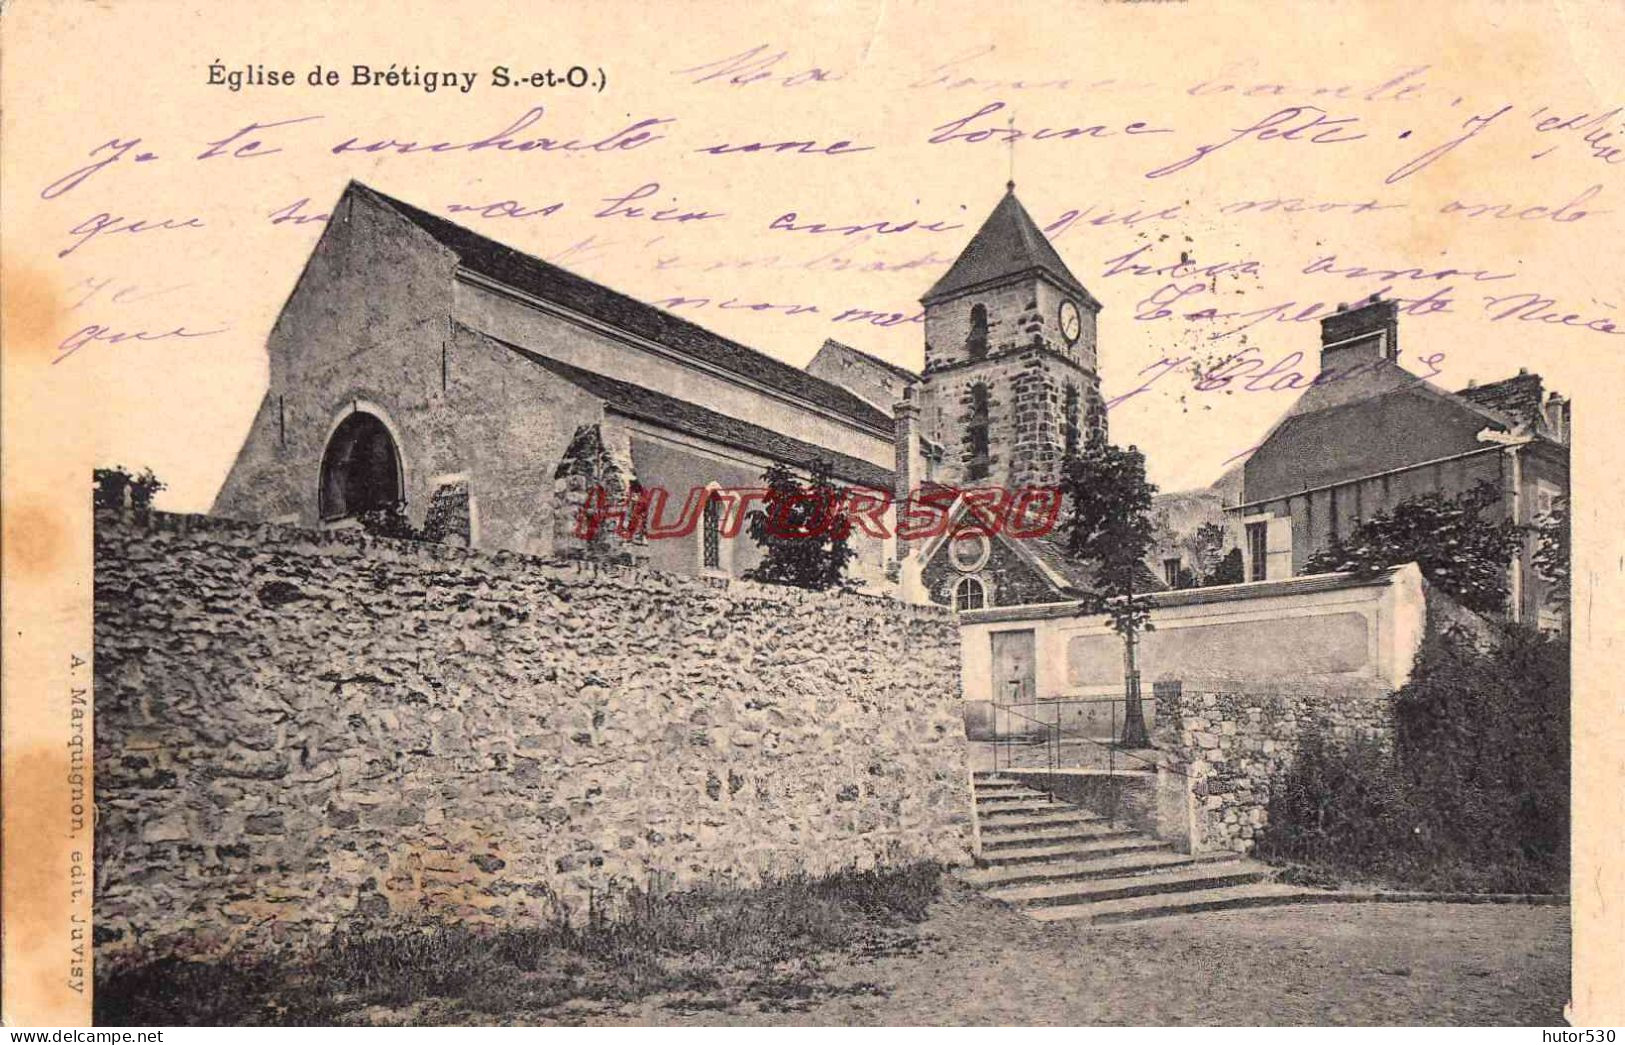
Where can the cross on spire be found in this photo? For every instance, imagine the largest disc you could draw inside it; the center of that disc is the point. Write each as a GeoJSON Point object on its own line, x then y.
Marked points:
{"type": "Point", "coordinates": [1010, 186]}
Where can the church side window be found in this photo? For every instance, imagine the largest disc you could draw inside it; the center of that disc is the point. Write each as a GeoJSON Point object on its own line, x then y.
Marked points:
{"type": "Point", "coordinates": [977, 343]}
{"type": "Point", "coordinates": [711, 534]}
{"type": "Point", "coordinates": [969, 594]}
{"type": "Point", "coordinates": [1071, 420]}
{"type": "Point", "coordinates": [978, 465]}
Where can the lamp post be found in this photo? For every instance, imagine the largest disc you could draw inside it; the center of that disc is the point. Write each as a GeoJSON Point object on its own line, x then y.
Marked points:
{"type": "Point", "coordinates": [1134, 734]}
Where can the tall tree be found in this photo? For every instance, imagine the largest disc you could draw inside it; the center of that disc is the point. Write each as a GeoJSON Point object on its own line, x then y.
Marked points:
{"type": "Point", "coordinates": [1110, 526]}
{"type": "Point", "coordinates": [1464, 545]}
{"type": "Point", "coordinates": [804, 537]}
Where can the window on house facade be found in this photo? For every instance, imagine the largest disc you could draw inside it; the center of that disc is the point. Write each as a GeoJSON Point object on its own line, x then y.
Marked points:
{"type": "Point", "coordinates": [969, 594]}
{"type": "Point", "coordinates": [1257, 550]}
{"type": "Point", "coordinates": [977, 468]}
{"type": "Point", "coordinates": [1170, 572]}
{"type": "Point", "coordinates": [711, 534]}
{"type": "Point", "coordinates": [977, 342]}
{"type": "Point", "coordinates": [1071, 420]}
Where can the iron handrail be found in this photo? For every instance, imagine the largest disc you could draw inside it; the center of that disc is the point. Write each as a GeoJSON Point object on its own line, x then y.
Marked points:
{"type": "Point", "coordinates": [1052, 752]}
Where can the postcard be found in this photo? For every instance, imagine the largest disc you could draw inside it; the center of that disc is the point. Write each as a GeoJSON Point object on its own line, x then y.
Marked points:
{"type": "Point", "coordinates": [851, 513]}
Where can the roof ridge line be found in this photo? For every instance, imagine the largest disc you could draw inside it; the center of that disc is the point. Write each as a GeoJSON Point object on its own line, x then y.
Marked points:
{"type": "Point", "coordinates": [417, 216]}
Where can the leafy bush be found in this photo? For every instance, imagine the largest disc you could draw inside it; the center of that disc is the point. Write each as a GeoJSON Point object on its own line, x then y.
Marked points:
{"type": "Point", "coordinates": [112, 485]}
{"type": "Point", "coordinates": [1229, 571]}
{"type": "Point", "coordinates": [1471, 795]}
{"type": "Point", "coordinates": [804, 537]}
{"type": "Point", "coordinates": [1459, 543]}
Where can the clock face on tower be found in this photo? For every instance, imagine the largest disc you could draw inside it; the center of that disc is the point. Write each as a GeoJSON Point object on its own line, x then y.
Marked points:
{"type": "Point", "coordinates": [1071, 322]}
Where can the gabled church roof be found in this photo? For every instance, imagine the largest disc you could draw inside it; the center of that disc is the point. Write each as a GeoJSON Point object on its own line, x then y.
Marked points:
{"type": "Point", "coordinates": [643, 404]}
{"type": "Point", "coordinates": [534, 276]}
{"type": "Point", "coordinates": [1009, 243]}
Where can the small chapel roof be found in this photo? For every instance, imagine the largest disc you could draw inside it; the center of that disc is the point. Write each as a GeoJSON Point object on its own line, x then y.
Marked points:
{"type": "Point", "coordinates": [845, 351]}
{"type": "Point", "coordinates": [532, 275]}
{"type": "Point", "coordinates": [1009, 243]}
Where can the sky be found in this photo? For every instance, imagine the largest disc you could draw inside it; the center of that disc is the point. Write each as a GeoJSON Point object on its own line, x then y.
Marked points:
{"type": "Point", "coordinates": [1216, 191]}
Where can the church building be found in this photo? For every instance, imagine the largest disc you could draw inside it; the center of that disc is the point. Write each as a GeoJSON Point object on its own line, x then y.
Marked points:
{"type": "Point", "coordinates": [485, 394]}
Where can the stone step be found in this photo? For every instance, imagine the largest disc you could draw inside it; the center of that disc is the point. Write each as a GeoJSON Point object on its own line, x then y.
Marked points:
{"type": "Point", "coordinates": [1008, 814]}
{"type": "Point", "coordinates": [1139, 861]}
{"type": "Point", "coordinates": [1159, 905]}
{"type": "Point", "coordinates": [1071, 833]}
{"type": "Point", "coordinates": [1101, 890]}
{"type": "Point", "coordinates": [1011, 798]}
{"type": "Point", "coordinates": [1027, 822]}
{"type": "Point", "coordinates": [1019, 804]}
{"type": "Point", "coordinates": [1014, 857]}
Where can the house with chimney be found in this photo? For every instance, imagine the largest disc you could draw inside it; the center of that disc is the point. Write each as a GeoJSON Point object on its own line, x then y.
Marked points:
{"type": "Point", "coordinates": [1370, 433]}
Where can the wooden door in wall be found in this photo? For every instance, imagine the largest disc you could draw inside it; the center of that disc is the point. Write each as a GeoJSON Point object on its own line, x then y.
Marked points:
{"type": "Point", "coordinates": [1014, 666]}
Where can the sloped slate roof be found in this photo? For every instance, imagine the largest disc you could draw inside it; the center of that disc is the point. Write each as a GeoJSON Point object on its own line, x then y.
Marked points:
{"type": "Point", "coordinates": [635, 401]}
{"type": "Point", "coordinates": [1008, 243]}
{"type": "Point", "coordinates": [1370, 382]}
{"type": "Point", "coordinates": [1051, 549]}
{"type": "Point", "coordinates": [535, 276]}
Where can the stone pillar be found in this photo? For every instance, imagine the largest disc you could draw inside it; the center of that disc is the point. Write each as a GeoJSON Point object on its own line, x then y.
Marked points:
{"type": "Point", "coordinates": [1175, 804]}
{"type": "Point", "coordinates": [906, 442]}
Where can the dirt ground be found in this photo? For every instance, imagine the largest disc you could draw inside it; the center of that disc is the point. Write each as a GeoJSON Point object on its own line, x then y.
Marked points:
{"type": "Point", "coordinates": [976, 962]}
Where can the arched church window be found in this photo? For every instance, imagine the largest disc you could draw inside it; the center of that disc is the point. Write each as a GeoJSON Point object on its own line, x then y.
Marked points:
{"type": "Point", "coordinates": [711, 534]}
{"type": "Point", "coordinates": [977, 342]}
{"type": "Point", "coordinates": [1096, 416]}
{"type": "Point", "coordinates": [977, 468]}
{"type": "Point", "coordinates": [361, 469]}
{"type": "Point", "coordinates": [1071, 420]}
{"type": "Point", "coordinates": [969, 594]}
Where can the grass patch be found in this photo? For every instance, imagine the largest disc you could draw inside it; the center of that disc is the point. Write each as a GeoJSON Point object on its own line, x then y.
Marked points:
{"type": "Point", "coordinates": [722, 944]}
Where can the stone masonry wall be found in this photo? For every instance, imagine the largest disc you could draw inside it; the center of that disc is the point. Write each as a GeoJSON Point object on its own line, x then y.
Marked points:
{"type": "Point", "coordinates": [1233, 739]}
{"type": "Point", "coordinates": [297, 730]}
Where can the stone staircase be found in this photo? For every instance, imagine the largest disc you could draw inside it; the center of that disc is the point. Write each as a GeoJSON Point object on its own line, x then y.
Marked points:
{"type": "Point", "coordinates": [1060, 862]}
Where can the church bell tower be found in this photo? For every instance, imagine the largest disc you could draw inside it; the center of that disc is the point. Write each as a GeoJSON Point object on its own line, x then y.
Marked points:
{"type": "Point", "coordinates": [1010, 381]}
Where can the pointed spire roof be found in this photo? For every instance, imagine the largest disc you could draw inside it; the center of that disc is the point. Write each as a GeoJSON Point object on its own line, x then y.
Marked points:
{"type": "Point", "coordinates": [1008, 244]}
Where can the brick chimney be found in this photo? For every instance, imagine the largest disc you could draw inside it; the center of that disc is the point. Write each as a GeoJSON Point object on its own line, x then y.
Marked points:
{"type": "Point", "coordinates": [1363, 334]}
{"type": "Point", "coordinates": [1557, 417]}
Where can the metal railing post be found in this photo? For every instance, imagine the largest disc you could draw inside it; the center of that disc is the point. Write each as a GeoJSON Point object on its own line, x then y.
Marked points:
{"type": "Point", "coordinates": [998, 733]}
{"type": "Point", "coordinates": [1111, 767]}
